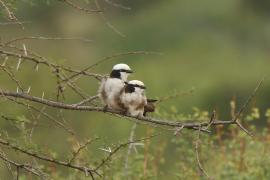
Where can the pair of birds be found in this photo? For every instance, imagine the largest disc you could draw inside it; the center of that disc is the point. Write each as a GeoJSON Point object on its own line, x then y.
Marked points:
{"type": "Point", "coordinates": [119, 94]}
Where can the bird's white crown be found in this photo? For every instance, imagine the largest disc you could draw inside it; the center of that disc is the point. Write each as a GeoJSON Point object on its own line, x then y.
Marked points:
{"type": "Point", "coordinates": [136, 82]}
{"type": "Point", "coordinates": [121, 66]}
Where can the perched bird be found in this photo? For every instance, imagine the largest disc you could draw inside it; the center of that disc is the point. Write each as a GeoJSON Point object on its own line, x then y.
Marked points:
{"type": "Point", "coordinates": [133, 98]}
{"type": "Point", "coordinates": [111, 87]}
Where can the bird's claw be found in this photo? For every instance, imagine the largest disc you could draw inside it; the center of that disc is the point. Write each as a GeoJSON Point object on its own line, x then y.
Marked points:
{"type": "Point", "coordinates": [105, 108]}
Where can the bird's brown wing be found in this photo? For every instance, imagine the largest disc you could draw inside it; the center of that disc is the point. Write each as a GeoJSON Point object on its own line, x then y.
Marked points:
{"type": "Point", "coordinates": [120, 104]}
{"type": "Point", "coordinates": [150, 106]}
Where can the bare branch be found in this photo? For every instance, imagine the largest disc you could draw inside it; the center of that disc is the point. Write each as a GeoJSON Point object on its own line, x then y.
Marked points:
{"type": "Point", "coordinates": [41, 60]}
{"type": "Point", "coordinates": [81, 147]}
{"type": "Point", "coordinates": [248, 100]}
{"type": "Point", "coordinates": [26, 167]}
{"type": "Point", "coordinates": [173, 96]}
{"type": "Point", "coordinates": [236, 118]}
{"type": "Point", "coordinates": [120, 146]}
{"type": "Point", "coordinates": [117, 5]}
{"type": "Point", "coordinates": [71, 4]}
{"type": "Point", "coordinates": [11, 15]}
{"type": "Point", "coordinates": [90, 99]}
{"type": "Point", "coordinates": [47, 38]}
{"type": "Point", "coordinates": [109, 24]}
{"type": "Point", "coordinates": [188, 124]}
{"type": "Point", "coordinates": [197, 155]}
{"type": "Point", "coordinates": [131, 138]}
{"type": "Point", "coordinates": [82, 72]}
{"type": "Point", "coordinates": [48, 159]}
{"type": "Point", "coordinates": [14, 23]}
{"type": "Point", "coordinates": [49, 117]}
{"type": "Point", "coordinates": [12, 77]}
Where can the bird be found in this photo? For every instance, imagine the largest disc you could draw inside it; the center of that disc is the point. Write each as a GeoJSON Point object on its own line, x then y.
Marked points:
{"type": "Point", "coordinates": [111, 87]}
{"type": "Point", "coordinates": [133, 98]}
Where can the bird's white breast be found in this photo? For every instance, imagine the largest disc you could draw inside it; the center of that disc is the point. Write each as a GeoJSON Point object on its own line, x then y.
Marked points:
{"type": "Point", "coordinates": [112, 88]}
{"type": "Point", "coordinates": [132, 101]}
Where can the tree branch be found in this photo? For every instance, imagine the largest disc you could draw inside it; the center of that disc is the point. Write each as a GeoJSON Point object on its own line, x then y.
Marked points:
{"type": "Point", "coordinates": [48, 159]}
{"type": "Point", "coordinates": [170, 123]}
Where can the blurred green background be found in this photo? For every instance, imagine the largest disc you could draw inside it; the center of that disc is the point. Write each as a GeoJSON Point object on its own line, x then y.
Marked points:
{"type": "Point", "coordinates": [220, 49]}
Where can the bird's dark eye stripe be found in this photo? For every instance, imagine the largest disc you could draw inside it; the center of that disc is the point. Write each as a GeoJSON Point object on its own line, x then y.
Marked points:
{"type": "Point", "coordinates": [142, 87]}
{"type": "Point", "coordinates": [124, 70]}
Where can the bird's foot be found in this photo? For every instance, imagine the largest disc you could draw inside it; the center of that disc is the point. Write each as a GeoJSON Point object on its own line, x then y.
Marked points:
{"type": "Point", "coordinates": [105, 108]}
{"type": "Point", "coordinates": [125, 113]}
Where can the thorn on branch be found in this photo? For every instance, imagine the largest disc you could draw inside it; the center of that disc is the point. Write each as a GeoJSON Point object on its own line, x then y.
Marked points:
{"type": "Point", "coordinates": [24, 49]}
{"type": "Point", "coordinates": [212, 119]}
{"type": "Point", "coordinates": [10, 14]}
{"type": "Point", "coordinates": [5, 61]}
{"type": "Point", "coordinates": [36, 67]}
{"type": "Point", "coordinates": [178, 130]}
{"type": "Point", "coordinates": [19, 63]}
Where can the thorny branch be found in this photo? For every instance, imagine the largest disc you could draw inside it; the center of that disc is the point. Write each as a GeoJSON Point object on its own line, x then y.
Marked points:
{"type": "Point", "coordinates": [188, 124]}
{"type": "Point", "coordinates": [80, 148]}
{"type": "Point", "coordinates": [83, 169]}
{"type": "Point", "coordinates": [120, 146]}
{"type": "Point", "coordinates": [13, 23]}
{"type": "Point", "coordinates": [47, 38]}
{"type": "Point", "coordinates": [29, 168]}
{"type": "Point", "coordinates": [11, 15]}
{"type": "Point", "coordinates": [71, 4]}
{"type": "Point", "coordinates": [169, 123]}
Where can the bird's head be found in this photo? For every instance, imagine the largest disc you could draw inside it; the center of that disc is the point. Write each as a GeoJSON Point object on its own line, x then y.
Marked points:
{"type": "Point", "coordinates": [135, 86]}
{"type": "Point", "coordinates": [121, 71]}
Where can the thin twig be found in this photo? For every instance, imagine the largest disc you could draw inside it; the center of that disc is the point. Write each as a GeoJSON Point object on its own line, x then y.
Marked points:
{"type": "Point", "coordinates": [47, 158]}
{"type": "Point", "coordinates": [82, 72]}
{"type": "Point", "coordinates": [26, 167]}
{"type": "Point", "coordinates": [47, 38]}
{"type": "Point", "coordinates": [117, 5]}
{"type": "Point", "coordinates": [14, 23]}
{"type": "Point", "coordinates": [131, 138]}
{"type": "Point", "coordinates": [173, 96]}
{"type": "Point", "coordinates": [248, 100]}
{"type": "Point", "coordinates": [120, 146]}
{"type": "Point", "coordinates": [81, 147]}
{"type": "Point", "coordinates": [197, 155]}
{"type": "Point", "coordinates": [236, 118]}
{"type": "Point", "coordinates": [71, 4]}
{"type": "Point", "coordinates": [11, 15]}
{"type": "Point", "coordinates": [108, 23]}
{"type": "Point", "coordinates": [90, 99]}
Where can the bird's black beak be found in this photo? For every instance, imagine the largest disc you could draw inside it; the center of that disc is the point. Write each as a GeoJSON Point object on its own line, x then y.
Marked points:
{"type": "Point", "coordinates": [130, 71]}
